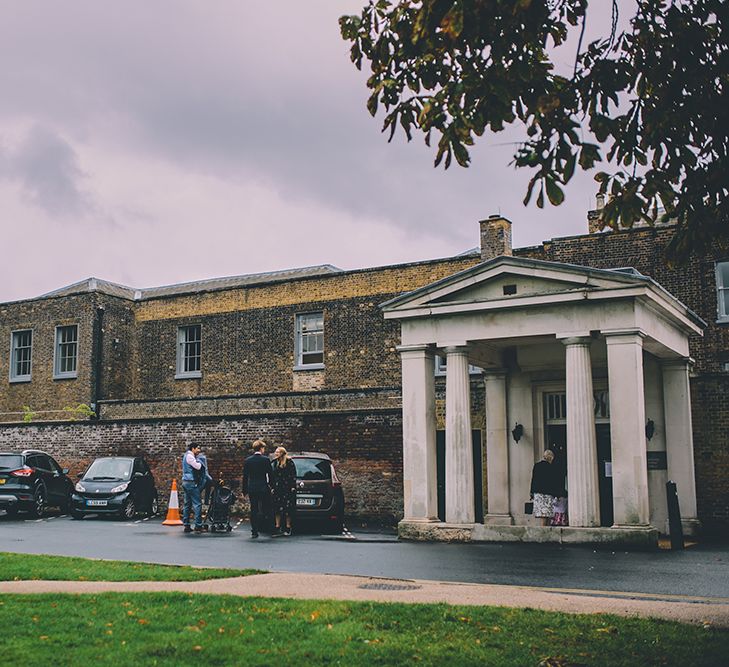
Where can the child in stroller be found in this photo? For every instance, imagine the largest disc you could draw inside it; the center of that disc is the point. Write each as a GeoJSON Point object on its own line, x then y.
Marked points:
{"type": "Point", "coordinates": [221, 501]}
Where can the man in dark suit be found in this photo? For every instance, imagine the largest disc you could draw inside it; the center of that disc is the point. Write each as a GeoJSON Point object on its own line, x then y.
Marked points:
{"type": "Point", "coordinates": [257, 474]}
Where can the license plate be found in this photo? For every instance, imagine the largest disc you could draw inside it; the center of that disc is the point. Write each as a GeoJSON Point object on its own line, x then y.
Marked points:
{"type": "Point", "coordinates": [97, 503]}
{"type": "Point", "coordinates": [306, 501]}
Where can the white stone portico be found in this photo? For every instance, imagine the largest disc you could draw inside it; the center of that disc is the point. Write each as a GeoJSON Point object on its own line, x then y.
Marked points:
{"type": "Point", "coordinates": [593, 361]}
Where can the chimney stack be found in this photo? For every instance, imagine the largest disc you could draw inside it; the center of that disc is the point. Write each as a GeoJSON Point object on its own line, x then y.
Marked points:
{"type": "Point", "coordinates": [495, 237]}
{"type": "Point", "coordinates": [594, 218]}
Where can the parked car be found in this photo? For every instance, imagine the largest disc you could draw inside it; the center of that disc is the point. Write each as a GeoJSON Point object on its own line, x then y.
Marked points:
{"type": "Point", "coordinates": [31, 481]}
{"type": "Point", "coordinates": [319, 493]}
{"type": "Point", "coordinates": [120, 485]}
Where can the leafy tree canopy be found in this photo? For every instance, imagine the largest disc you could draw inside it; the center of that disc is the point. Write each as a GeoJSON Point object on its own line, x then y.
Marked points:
{"type": "Point", "coordinates": [649, 102]}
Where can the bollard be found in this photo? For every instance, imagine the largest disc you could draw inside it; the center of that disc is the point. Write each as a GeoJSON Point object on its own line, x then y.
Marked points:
{"type": "Point", "coordinates": [674, 516]}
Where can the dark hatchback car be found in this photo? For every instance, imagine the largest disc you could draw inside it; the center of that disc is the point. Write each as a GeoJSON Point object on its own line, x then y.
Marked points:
{"type": "Point", "coordinates": [319, 493]}
{"type": "Point", "coordinates": [31, 481]}
{"type": "Point", "coordinates": [117, 485]}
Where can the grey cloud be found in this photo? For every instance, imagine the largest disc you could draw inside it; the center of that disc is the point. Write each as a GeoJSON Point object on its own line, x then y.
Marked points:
{"type": "Point", "coordinates": [243, 91]}
{"type": "Point", "coordinates": [46, 167]}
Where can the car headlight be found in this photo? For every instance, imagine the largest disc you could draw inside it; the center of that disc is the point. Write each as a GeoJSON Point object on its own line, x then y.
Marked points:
{"type": "Point", "coordinates": [120, 488]}
{"type": "Point", "coordinates": [80, 487]}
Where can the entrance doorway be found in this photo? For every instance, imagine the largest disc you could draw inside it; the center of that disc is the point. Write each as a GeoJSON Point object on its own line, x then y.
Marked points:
{"type": "Point", "coordinates": [440, 452]}
{"type": "Point", "coordinates": [556, 439]}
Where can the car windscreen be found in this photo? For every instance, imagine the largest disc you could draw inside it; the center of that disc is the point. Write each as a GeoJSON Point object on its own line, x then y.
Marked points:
{"type": "Point", "coordinates": [313, 469]}
{"type": "Point", "coordinates": [109, 469]}
{"type": "Point", "coordinates": [10, 461]}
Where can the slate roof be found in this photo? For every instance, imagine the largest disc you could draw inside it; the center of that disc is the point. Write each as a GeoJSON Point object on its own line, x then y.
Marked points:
{"type": "Point", "coordinates": [212, 284]}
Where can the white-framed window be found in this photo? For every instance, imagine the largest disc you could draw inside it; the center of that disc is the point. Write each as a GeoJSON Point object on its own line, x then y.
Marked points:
{"type": "Point", "coordinates": [722, 291]}
{"type": "Point", "coordinates": [310, 340]}
{"type": "Point", "coordinates": [65, 358]}
{"type": "Point", "coordinates": [441, 364]}
{"type": "Point", "coordinates": [21, 355]}
{"type": "Point", "coordinates": [189, 351]}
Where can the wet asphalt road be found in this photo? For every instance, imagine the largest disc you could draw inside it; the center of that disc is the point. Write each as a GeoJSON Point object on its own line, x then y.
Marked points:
{"type": "Point", "coordinates": [698, 571]}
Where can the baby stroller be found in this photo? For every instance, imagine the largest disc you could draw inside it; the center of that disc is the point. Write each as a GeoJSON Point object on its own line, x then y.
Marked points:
{"type": "Point", "coordinates": [217, 518]}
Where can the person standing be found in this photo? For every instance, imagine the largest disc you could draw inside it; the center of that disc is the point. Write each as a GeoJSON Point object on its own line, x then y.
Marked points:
{"type": "Point", "coordinates": [206, 480]}
{"type": "Point", "coordinates": [257, 475]}
{"type": "Point", "coordinates": [544, 487]}
{"type": "Point", "coordinates": [191, 477]}
{"type": "Point", "coordinates": [283, 488]}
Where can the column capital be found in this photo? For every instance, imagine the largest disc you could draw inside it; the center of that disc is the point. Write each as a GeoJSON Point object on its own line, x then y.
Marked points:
{"type": "Point", "coordinates": [584, 340]}
{"type": "Point", "coordinates": [456, 349]}
{"type": "Point", "coordinates": [494, 374]}
{"type": "Point", "coordinates": [680, 363]}
{"type": "Point", "coordinates": [623, 336]}
{"type": "Point", "coordinates": [416, 350]}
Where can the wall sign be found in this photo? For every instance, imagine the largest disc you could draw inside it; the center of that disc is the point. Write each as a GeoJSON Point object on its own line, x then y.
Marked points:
{"type": "Point", "coordinates": [657, 461]}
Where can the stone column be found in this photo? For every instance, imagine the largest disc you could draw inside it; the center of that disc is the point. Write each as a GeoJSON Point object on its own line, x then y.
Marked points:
{"type": "Point", "coordinates": [459, 448]}
{"type": "Point", "coordinates": [420, 493]}
{"type": "Point", "coordinates": [584, 497]}
{"type": "Point", "coordinates": [679, 438]}
{"type": "Point", "coordinates": [497, 450]}
{"type": "Point", "coordinates": [627, 428]}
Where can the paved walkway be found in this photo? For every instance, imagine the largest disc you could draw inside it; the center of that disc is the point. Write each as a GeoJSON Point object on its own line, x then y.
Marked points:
{"type": "Point", "coordinates": [687, 609]}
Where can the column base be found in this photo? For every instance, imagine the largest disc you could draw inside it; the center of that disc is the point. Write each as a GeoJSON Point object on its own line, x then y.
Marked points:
{"type": "Point", "coordinates": [634, 537]}
{"type": "Point", "coordinates": [499, 520]}
{"type": "Point", "coordinates": [434, 531]}
{"type": "Point", "coordinates": [691, 527]}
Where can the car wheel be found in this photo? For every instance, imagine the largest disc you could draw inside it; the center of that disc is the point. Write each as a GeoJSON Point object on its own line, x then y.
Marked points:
{"type": "Point", "coordinates": [154, 507]}
{"type": "Point", "coordinates": [77, 515]}
{"type": "Point", "coordinates": [11, 512]}
{"type": "Point", "coordinates": [129, 509]}
{"type": "Point", "coordinates": [39, 503]}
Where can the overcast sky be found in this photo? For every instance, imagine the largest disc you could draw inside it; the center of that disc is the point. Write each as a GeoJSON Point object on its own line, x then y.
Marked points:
{"type": "Point", "coordinates": [160, 141]}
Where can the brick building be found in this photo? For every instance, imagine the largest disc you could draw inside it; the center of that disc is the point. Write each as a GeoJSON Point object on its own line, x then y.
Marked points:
{"type": "Point", "coordinates": [303, 357]}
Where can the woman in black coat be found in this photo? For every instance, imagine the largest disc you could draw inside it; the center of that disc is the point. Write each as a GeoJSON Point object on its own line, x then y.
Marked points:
{"type": "Point", "coordinates": [544, 489]}
{"type": "Point", "coordinates": [283, 490]}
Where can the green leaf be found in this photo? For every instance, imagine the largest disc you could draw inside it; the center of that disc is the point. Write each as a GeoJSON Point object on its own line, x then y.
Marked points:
{"type": "Point", "coordinates": [554, 192]}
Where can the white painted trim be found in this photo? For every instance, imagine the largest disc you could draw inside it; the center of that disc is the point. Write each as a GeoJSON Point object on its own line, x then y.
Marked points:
{"type": "Point", "coordinates": [68, 375]}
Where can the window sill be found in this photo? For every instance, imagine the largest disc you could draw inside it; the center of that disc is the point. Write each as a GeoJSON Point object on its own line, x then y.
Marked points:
{"type": "Point", "coordinates": [310, 367]}
{"type": "Point", "coordinates": [66, 376]}
{"type": "Point", "coordinates": [20, 380]}
{"type": "Point", "coordinates": [723, 320]}
{"type": "Point", "coordinates": [188, 376]}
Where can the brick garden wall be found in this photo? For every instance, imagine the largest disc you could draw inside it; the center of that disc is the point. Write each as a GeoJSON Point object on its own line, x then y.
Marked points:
{"type": "Point", "coordinates": [366, 448]}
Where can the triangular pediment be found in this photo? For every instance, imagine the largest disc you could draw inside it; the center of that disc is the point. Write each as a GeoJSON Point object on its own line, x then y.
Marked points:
{"type": "Point", "coordinates": [511, 278]}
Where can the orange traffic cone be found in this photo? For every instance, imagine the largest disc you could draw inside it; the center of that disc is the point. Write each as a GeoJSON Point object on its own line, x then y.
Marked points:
{"type": "Point", "coordinates": [173, 509]}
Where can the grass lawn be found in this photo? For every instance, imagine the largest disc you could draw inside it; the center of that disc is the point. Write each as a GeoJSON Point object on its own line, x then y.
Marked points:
{"type": "Point", "coordinates": [180, 629]}
{"type": "Point", "coordinates": [62, 568]}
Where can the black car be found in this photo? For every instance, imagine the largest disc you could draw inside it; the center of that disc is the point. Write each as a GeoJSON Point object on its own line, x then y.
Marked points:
{"type": "Point", "coordinates": [31, 481]}
{"type": "Point", "coordinates": [119, 485]}
{"type": "Point", "coordinates": [319, 493]}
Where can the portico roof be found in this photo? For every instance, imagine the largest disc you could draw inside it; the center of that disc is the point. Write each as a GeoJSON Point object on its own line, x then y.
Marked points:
{"type": "Point", "coordinates": [506, 283]}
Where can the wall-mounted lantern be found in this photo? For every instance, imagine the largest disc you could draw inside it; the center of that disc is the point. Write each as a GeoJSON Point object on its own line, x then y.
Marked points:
{"type": "Point", "coordinates": [517, 432]}
{"type": "Point", "coordinates": [650, 429]}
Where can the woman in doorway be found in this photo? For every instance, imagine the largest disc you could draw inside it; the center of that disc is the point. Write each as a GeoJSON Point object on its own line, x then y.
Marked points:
{"type": "Point", "coordinates": [283, 488]}
{"type": "Point", "coordinates": [544, 488]}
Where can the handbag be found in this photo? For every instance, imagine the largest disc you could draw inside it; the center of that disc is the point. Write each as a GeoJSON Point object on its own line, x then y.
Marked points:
{"type": "Point", "coordinates": [528, 508]}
